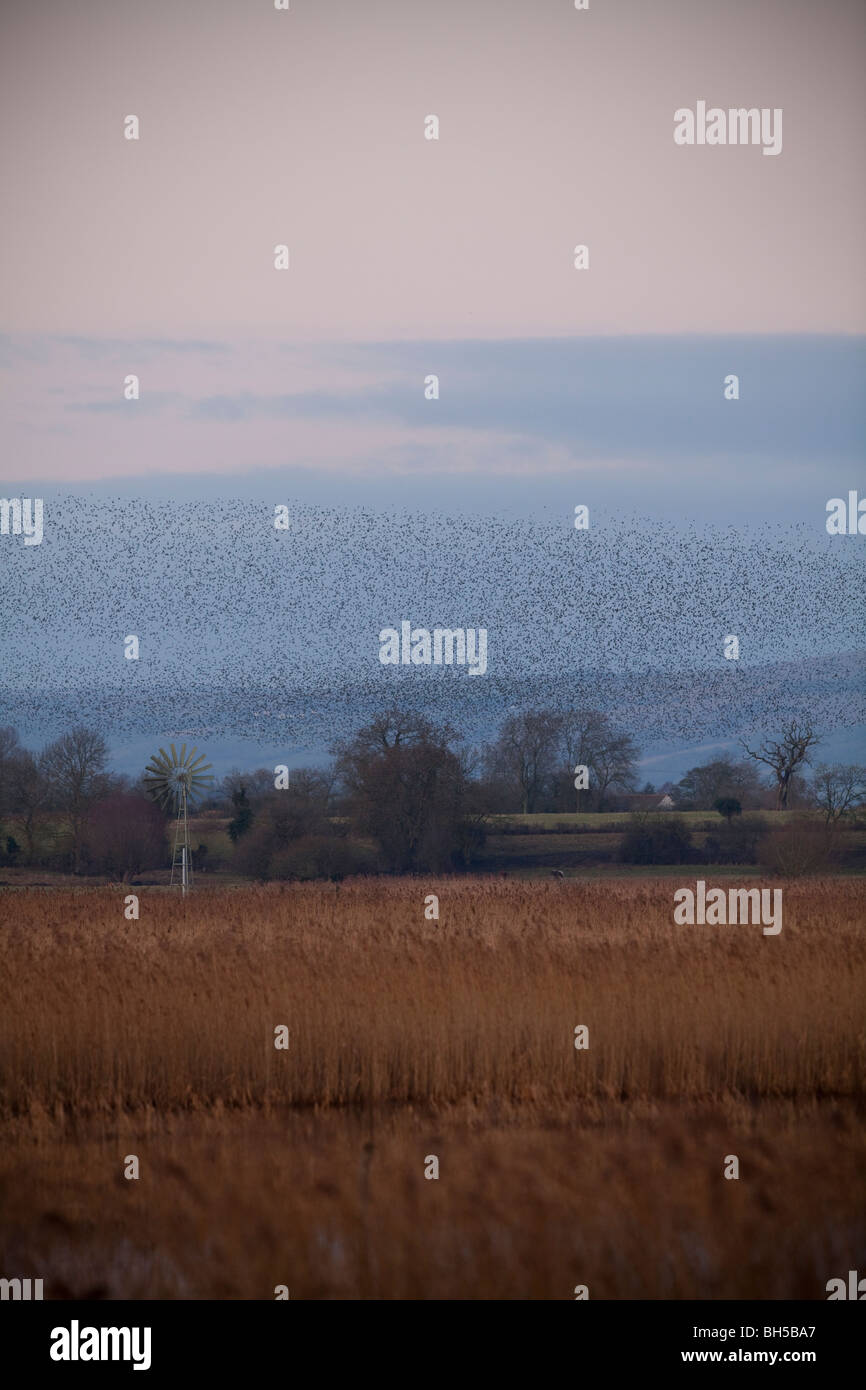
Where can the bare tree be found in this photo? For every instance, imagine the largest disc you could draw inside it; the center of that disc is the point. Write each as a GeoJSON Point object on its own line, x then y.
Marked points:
{"type": "Point", "coordinates": [256, 785]}
{"type": "Point", "coordinates": [30, 793]}
{"type": "Point", "coordinates": [613, 765]}
{"type": "Point", "coordinates": [75, 768]}
{"type": "Point", "coordinates": [407, 786]}
{"type": "Point", "coordinates": [10, 750]}
{"type": "Point", "coordinates": [839, 790]}
{"type": "Point", "coordinates": [589, 739]}
{"type": "Point", "coordinates": [784, 755]}
{"type": "Point", "coordinates": [123, 834]}
{"type": "Point", "coordinates": [703, 786]}
{"type": "Point", "coordinates": [24, 792]}
{"type": "Point", "coordinates": [583, 731]}
{"type": "Point", "coordinates": [524, 755]}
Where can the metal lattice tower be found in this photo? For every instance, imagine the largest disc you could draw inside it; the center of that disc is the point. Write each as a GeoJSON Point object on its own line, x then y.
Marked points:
{"type": "Point", "coordinates": [176, 783]}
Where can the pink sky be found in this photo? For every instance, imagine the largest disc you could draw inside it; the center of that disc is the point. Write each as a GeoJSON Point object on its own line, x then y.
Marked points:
{"type": "Point", "coordinates": [306, 127]}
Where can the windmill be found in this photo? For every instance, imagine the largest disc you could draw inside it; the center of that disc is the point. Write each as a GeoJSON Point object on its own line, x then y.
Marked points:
{"type": "Point", "coordinates": [176, 782]}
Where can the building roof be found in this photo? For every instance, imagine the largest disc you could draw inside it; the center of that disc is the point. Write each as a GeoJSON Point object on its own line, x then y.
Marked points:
{"type": "Point", "coordinates": [648, 801]}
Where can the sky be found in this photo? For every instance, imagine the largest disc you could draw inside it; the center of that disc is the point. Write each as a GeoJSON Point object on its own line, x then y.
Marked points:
{"type": "Point", "coordinates": [306, 127]}
{"type": "Point", "coordinates": [410, 257]}
{"type": "Point", "coordinates": [633, 425]}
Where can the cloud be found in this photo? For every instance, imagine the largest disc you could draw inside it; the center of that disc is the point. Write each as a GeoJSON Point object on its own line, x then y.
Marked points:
{"type": "Point", "coordinates": [650, 412]}
{"type": "Point", "coordinates": [152, 403]}
{"type": "Point", "coordinates": [604, 398]}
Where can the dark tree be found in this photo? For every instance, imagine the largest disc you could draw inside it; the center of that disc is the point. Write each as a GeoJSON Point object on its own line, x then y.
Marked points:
{"type": "Point", "coordinates": [243, 817]}
{"type": "Point", "coordinates": [407, 786]}
{"type": "Point", "coordinates": [839, 791]}
{"type": "Point", "coordinates": [703, 786]}
{"type": "Point", "coordinates": [589, 739]}
{"type": "Point", "coordinates": [524, 757]}
{"type": "Point", "coordinates": [74, 767]}
{"type": "Point", "coordinates": [784, 755]}
{"type": "Point", "coordinates": [31, 795]}
{"type": "Point", "coordinates": [123, 834]}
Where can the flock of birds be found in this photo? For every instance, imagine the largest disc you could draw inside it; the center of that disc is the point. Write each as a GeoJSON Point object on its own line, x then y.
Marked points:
{"type": "Point", "coordinates": [248, 630]}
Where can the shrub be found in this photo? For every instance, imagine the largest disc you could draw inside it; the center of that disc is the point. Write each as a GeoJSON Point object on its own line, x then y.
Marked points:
{"type": "Point", "coordinates": [798, 848]}
{"type": "Point", "coordinates": [664, 839]}
{"type": "Point", "coordinates": [291, 839]}
{"type": "Point", "coordinates": [735, 843]}
{"type": "Point", "coordinates": [254, 851]}
{"type": "Point", "coordinates": [123, 834]}
{"type": "Point", "coordinates": [243, 817]}
{"type": "Point", "coordinates": [318, 856]}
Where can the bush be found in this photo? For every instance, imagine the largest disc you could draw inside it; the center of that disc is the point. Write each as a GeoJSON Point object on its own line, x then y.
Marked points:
{"type": "Point", "coordinates": [319, 856]}
{"type": "Point", "coordinates": [243, 817]}
{"type": "Point", "coordinates": [657, 839]}
{"type": "Point", "coordinates": [291, 838]}
{"type": "Point", "coordinates": [735, 843]}
{"type": "Point", "coordinates": [798, 848]}
{"type": "Point", "coordinates": [261, 855]}
{"type": "Point", "coordinates": [470, 837]}
{"type": "Point", "coordinates": [254, 851]}
{"type": "Point", "coordinates": [124, 834]}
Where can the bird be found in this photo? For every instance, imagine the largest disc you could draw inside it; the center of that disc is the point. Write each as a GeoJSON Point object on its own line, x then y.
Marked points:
{"type": "Point", "coordinates": [246, 632]}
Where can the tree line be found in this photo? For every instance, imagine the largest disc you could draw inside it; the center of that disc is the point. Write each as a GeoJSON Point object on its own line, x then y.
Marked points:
{"type": "Point", "coordinates": [402, 795]}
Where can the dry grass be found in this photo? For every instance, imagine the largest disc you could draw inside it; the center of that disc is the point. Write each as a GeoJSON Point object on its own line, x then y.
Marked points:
{"type": "Point", "coordinates": [411, 1037]}
{"type": "Point", "coordinates": [383, 1006]}
{"type": "Point", "coordinates": [630, 1202]}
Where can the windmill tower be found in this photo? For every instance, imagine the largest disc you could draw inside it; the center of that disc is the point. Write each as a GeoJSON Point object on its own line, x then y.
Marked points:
{"type": "Point", "coordinates": [176, 783]}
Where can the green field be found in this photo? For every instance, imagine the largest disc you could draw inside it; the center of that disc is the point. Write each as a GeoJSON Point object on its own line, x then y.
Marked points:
{"type": "Point", "coordinates": [604, 822]}
{"type": "Point", "coordinates": [575, 845]}
{"type": "Point", "coordinates": [588, 844]}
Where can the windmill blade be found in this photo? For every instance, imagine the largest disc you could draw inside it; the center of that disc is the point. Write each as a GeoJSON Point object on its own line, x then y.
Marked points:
{"type": "Point", "coordinates": [175, 781]}
{"type": "Point", "coordinates": [163, 793]}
